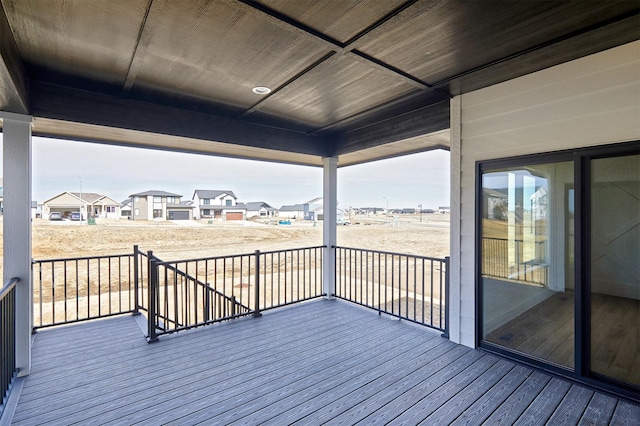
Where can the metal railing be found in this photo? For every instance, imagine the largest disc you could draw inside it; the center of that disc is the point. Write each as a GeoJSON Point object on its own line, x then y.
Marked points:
{"type": "Point", "coordinates": [415, 288]}
{"type": "Point", "coordinates": [69, 290]}
{"type": "Point", "coordinates": [195, 292]}
{"type": "Point", "coordinates": [7, 338]}
{"type": "Point", "coordinates": [503, 260]}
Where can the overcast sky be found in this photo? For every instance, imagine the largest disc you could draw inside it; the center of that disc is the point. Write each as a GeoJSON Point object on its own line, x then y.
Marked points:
{"type": "Point", "coordinates": [117, 172]}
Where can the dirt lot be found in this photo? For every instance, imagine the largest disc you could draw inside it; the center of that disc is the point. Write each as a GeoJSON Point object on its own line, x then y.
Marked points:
{"type": "Point", "coordinates": [176, 240]}
{"type": "Point", "coordinates": [189, 240]}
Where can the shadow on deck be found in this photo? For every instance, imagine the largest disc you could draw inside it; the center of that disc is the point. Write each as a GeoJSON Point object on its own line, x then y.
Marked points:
{"type": "Point", "coordinates": [326, 362]}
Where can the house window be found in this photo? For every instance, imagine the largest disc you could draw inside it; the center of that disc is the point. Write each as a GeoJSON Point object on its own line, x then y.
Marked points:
{"type": "Point", "coordinates": [228, 202]}
{"type": "Point", "coordinates": [137, 212]}
{"type": "Point", "coordinates": [157, 199]}
{"type": "Point", "coordinates": [206, 212]}
{"type": "Point", "coordinates": [111, 209]}
{"type": "Point", "coordinates": [171, 199]}
{"type": "Point", "coordinates": [136, 198]}
{"type": "Point", "coordinates": [157, 213]}
{"type": "Point", "coordinates": [206, 201]}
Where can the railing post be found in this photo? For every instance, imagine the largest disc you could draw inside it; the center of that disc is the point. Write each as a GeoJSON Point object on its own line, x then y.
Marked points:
{"type": "Point", "coordinates": [446, 297]}
{"type": "Point", "coordinates": [136, 285]}
{"type": "Point", "coordinates": [207, 302]}
{"type": "Point", "coordinates": [153, 285]}
{"type": "Point", "coordinates": [256, 309]}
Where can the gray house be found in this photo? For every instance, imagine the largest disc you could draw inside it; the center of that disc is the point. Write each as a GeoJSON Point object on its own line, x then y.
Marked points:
{"type": "Point", "coordinates": [159, 205]}
{"type": "Point", "coordinates": [260, 209]}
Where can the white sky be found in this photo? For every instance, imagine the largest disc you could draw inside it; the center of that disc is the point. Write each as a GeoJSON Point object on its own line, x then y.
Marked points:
{"type": "Point", "coordinates": [117, 172]}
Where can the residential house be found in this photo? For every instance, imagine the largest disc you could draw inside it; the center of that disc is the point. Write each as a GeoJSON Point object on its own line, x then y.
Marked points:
{"type": "Point", "coordinates": [217, 204]}
{"type": "Point", "coordinates": [125, 208]}
{"type": "Point", "coordinates": [260, 209]}
{"type": "Point", "coordinates": [90, 204]}
{"type": "Point", "coordinates": [159, 205]}
{"type": "Point", "coordinates": [294, 211]}
{"type": "Point", "coordinates": [310, 210]}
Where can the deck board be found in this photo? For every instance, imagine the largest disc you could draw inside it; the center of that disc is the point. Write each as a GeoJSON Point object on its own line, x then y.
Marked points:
{"type": "Point", "coordinates": [326, 362]}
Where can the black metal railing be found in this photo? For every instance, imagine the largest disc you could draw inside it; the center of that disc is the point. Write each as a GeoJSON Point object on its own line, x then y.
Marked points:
{"type": "Point", "coordinates": [69, 290]}
{"type": "Point", "coordinates": [183, 294]}
{"type": "Point", "coordinates": [504, 260]}
{"type": "Point", "coordinates": [7, 338]}
{"type": "Point", "coordinates": [195, 292]}
{"type": "Point", "coordinates": [415, 288]}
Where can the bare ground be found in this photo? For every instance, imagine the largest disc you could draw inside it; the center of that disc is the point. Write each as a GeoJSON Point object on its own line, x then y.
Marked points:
{"type": "Point", "coordinates": [171, 240]}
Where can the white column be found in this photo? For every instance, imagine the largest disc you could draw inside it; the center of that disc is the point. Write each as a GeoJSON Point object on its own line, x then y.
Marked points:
{"type": "Point", "coordinates": [17, 227]}
{"type": "Point", "coordinates": [330, 211]}
{"type": "Point", "coordinates": [454, 262]}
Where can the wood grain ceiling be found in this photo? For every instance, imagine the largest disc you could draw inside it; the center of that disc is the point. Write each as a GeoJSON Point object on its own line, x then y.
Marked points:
{"type": "Point", "coordinates": [346, 75]}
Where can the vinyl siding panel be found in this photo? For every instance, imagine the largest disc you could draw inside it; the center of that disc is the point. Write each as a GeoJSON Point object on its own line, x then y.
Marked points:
{"type": "Point", "coordinates": [591, 101]}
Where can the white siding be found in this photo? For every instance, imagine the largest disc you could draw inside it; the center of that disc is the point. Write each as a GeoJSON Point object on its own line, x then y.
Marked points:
{"type": "Point", "coordinates": [590, 101]}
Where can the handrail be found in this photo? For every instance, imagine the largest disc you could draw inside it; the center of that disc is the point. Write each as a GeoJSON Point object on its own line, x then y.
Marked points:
{"type": "Point", "coordinates": [9, 285]}
{"type": "Point", "coordinates": [391, 253]}
{"type": "Point", "coordinates": [225, 256]}
{"type": "Point", "coordinates": [168, 265]}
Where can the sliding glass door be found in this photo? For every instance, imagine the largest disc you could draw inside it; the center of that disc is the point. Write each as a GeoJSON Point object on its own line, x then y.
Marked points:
{"type": "Point", "coordinates": [559, 262]}
{"type": "Point", "coordinates": [528, 302]}
{"type": "Point", "coordinates": [614, 190]}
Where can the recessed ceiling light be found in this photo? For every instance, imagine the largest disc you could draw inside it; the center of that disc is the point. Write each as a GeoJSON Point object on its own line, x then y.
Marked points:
{"type": "Point", "coordinates": [261, 90]}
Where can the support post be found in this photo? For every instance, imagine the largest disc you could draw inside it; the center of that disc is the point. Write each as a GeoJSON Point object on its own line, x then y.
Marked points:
{"type": "Point", "coordinates": [330, 210]}
{"type": "Point", "coordinates": [256, 309]}
{"type": "Point", "coordinates": [153, 286]}
{"type": "Point", "coordinates": [16, 129]}
{"type": "Point", "coordinates": [136, 283]}
{"type": "Point", "coordinates": [447, 284]}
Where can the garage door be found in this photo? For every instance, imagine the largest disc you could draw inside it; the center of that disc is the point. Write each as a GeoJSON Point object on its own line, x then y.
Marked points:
{"type": "Point", "coordinates": [234, 216]}
{"type": "Point", "coordinates": [178, 215]}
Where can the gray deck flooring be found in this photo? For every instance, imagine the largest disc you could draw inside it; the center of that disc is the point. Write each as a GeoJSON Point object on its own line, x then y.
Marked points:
{"type": "Point", "coordinates": [323, 362]}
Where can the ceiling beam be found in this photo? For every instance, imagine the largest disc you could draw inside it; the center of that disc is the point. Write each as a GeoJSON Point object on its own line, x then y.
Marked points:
{"type": "Point", "coordinates": [138, 54]}
{"type": "Point", "coordinates": [73, 105]}
{"type": "Point", "coordinates": [14, 84]}
{"type": "Point", "coordinates": [420, 121]}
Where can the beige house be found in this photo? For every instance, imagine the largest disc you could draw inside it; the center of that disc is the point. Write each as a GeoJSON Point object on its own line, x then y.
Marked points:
{"type": "Point", "coordinates": [159, 205]}
{"type": "Point", "coordinates": [90, 204]}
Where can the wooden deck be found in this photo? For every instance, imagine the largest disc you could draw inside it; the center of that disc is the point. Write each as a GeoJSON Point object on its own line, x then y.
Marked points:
{"type": "Point", "coordinates": [323, 362]}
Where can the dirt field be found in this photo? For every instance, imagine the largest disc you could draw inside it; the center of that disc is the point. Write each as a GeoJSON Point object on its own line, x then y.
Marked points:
{"type": "Point", "coordinates": [175, 240]}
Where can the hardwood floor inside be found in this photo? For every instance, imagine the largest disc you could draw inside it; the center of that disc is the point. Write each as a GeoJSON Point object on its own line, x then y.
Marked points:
{"type": "Point", "coordinates": [547, 332]}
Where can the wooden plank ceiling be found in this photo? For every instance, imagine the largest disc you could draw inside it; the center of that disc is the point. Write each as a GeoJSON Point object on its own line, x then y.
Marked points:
{"type": "Point", "coordinates": [362, 79]}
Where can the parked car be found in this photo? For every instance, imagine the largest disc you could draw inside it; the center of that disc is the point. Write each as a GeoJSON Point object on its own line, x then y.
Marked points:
{"type": "Point", "coordinates": [55, 216]}
{"type": "Point", "coordinates": [76, 216]}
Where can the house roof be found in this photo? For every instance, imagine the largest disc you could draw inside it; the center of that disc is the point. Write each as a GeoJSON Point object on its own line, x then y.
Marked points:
{"type": "Point", "coordinates": [359, 80]}
{"type": "Point", "coordinates": [87, 198]}
{"type": "Point", "coordinates": [257, 205]}
{"type": "Point", "coordinates": [293, 208]}
{"type": "Point", "coordinates": [155, 193]}
{"type": "Point", "coordinates": [212, 193]}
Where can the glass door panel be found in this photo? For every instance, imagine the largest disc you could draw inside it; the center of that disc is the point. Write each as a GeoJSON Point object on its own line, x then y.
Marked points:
{"type": "Point", "coordinates": [615, 267]}
{"type": "Point", "coordinates": [527, 294]}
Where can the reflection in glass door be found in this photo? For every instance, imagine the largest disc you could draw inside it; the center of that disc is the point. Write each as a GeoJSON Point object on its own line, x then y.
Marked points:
{"type": "Point", "coordinates": [527, 300]}
{"type": "Point", "coordinates": [615, 267]}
